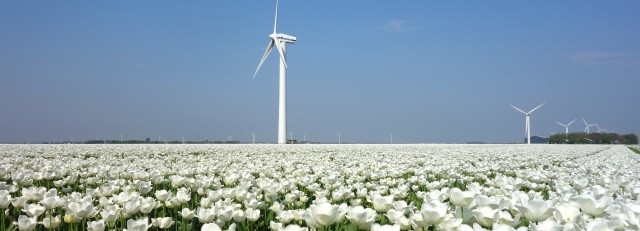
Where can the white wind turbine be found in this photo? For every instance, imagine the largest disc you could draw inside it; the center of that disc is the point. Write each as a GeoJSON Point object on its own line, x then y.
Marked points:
{"type": "Point", "coordinates": [601, 130]}
{"type": "Point", "coordinates": [566, 126]}
{"type": "Point", "coordinates": [586, 129]}
{"type": "Point", "coordinates": [527, 126]}
{"type": "Point", "coordinates": [280, 41]}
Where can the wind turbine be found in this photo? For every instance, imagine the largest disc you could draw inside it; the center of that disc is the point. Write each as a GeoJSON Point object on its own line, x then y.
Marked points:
{"type": "Point", "coordinates": [280, 41]}
{"type": "Point", "coordinates": [566, 126]}
{"type": "Point", "coordinates": [527, 126]}
{"type": "Point", "coordinates": [586, 129]}
{"type": "Point", "coordinates": [601, 130]}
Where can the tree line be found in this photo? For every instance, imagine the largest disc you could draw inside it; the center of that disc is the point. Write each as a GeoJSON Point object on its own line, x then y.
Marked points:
{"type": "Point", "coordinates": [149, 141]}
{"type": "Point", "coordinates": [593, 138]}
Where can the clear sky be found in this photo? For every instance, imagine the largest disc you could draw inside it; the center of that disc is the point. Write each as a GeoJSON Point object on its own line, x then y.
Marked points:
{"type": "Point", "coordinates": [424, 71]}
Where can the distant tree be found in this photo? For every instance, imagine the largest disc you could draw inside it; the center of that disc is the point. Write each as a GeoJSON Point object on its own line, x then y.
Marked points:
{"type": "Point", "coordinates": [630, 139]}
{"type": "Point", "coordinates": [593, 138]}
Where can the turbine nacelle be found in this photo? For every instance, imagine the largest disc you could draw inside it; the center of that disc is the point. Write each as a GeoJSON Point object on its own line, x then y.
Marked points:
{"type": "Point", "coordinates": [283, 38]}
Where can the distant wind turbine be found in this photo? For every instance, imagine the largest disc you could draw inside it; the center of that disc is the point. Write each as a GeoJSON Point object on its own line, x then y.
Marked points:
{"type": "Point", "coordinates": [566, 126]}
{"type": "Point", "coordinates": [280, 41]}
{"type": "Point", "coordinates": [601, 130]}
{"type": "Point", "coordinates": [586, 129]}
{"type": "Point", "coordinates": [527, 126]}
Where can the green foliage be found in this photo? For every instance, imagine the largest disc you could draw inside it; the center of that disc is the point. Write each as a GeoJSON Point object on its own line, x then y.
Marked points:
{"type": "Point", "coordinates": [593, 138]}
{"type": "Point", "coordinates": [148, 141]}
{"type": "Point", "coordinates": [634, 149]}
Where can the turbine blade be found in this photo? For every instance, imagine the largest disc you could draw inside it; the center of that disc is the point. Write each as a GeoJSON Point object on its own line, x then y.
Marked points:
{"type": "Point", "coordinates": [536, 108]}
{"type": "Point", "coordinates": [275, 22]}
{"type": "Point", "coordinates": [281, 51]}
{"type": "Point", "coordinates": [585, 122]}
{"type": "Point", "coordinates": [574, 120]}
{"type": "Point", "coordinates": [518, 109]}
{"type": "Point", "coordinates": [561, 124]}
{"type": "Point", "coordinates": [264, 57]}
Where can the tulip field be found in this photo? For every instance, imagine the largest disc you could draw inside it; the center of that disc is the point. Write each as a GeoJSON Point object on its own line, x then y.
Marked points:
{"type": "Point", "coordinates": [319, 187]}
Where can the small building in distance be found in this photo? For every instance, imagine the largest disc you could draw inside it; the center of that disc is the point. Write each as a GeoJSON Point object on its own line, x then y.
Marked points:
{"type": "Point", "coordinates": [537, 140]}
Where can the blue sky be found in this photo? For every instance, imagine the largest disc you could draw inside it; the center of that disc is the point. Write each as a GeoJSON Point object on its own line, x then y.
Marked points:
{"type": "Point", "coordinates": [424, 71]}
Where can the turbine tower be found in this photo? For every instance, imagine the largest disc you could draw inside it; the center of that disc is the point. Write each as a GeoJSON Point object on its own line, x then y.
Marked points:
{"type": "Point", "coordinates": [280, 41]}
{"type": "Point", "coordinates": [566, 126]}
{"type": "Point", "coordinates": [527, 126]}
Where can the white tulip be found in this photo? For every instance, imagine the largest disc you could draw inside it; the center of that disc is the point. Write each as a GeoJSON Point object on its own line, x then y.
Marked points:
{"type": "Point", "coordinates": [536, 210]}
{"type": "Point", "coordinates": [295, 228]}
{"type": "Point", "coordinates": [51, 222]}
{"type": "Point", "coordinates": [486, 216]}
{"type": "Point", "coordinates": [5, 199]}
{"type": "Point", "coordinates": [378, 227]}
{"type": "Point", "coordinates": [591, 206]}
{"type": "Point", "coordinates": [33, 210]}
{"type": "Point", "coordinates": [547, 225]}
{"type": "Point", "coordinates": [205, 215]}
{"type": "Point", "coordinates": [141, 224]}
{"type": "Point", "coordinates": [361, 217]}
{"type": "Point", "coordinates": [187, 214]}
{"type": "Point", "coordinates": [95, 225]}
{"type": "Point", "coordinates": [460, 198]}
{"type": "Point", "coordinates": [382, 203]}
{"type": "Point", "coordinates": [321, 215]}
{"type": "Point", "coordinates": [211, 227]}
{"type": "Point", "coordinates": [162, 222]}
{"type": "Point", "coordinates": [252, 214]}
{"type": "Point", "coordinates": [27, 223]}
{"type": "Point", "coordinates": [566, 212]}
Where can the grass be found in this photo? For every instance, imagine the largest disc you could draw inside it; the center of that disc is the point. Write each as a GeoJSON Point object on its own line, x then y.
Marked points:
{"type": "Point", "coordinates": [634, 149]}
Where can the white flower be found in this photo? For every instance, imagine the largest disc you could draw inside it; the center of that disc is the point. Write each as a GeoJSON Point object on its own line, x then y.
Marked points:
{"type": "Point", "coordinates": [33, 210]}
{"type": "Point", "coordinates": [591, 206]}
{"type": "Point", "coordinates": [27, 223]}
{"type": "Point", "coordinates": [205, 215]}
{"type": "Point", "coordinates": [566, 212]}
{"type": "Point", "coordinates": [50, 202]}
{"type": "Point", "coordinates": [51, 223]}
{"type": "Point", "coordinates": [5, 199]}
{"type": "Point", "coordinates": [225, 213]}
{"type": "Point", "coordinates": [162, 195]}
{"type": "Point", "coordinates": [321, 215]}
{"type": "Point", "coordinates": [378, 227]}
{"type": "Point", "coordinates": [183, 195]}
{"type": "Point", "coordinates": [485, 216]}
{"type": "Point", "coordinates": [536, 210]}
{"type": "Point", "coordinates": [285, 216]}
{"type": "Point", "coordinates": [187, 214]}
{"type": "Point", "coordinates": [162, 222]}
{"type": "Point", "coordinates": [18, 202]}
{"type": "Point", "coordinates": [382, 203]}
{"type": "Point", "coordinates": [141, 224]}
{"type": "Point", "coordinates": [95, 225]}
{"type": "Point", "coordinates": [460, 198]}
{"type": "Point", "coordinates": [82, 209]}
{"type": "Point", "coordinates": [361, 217]}
{"type": "Point", "coordinates": [548, 225]}
{"type": "Point", "coordinates": [293, 227]}
{"type": "Point", "coordinates": [433, 212]}
{"type": "Point", "coordinates": [252, 214]}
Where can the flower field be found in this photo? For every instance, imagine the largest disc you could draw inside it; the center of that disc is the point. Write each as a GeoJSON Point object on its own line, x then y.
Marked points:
{"type": "Point", "coordinates": [319, 187]}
